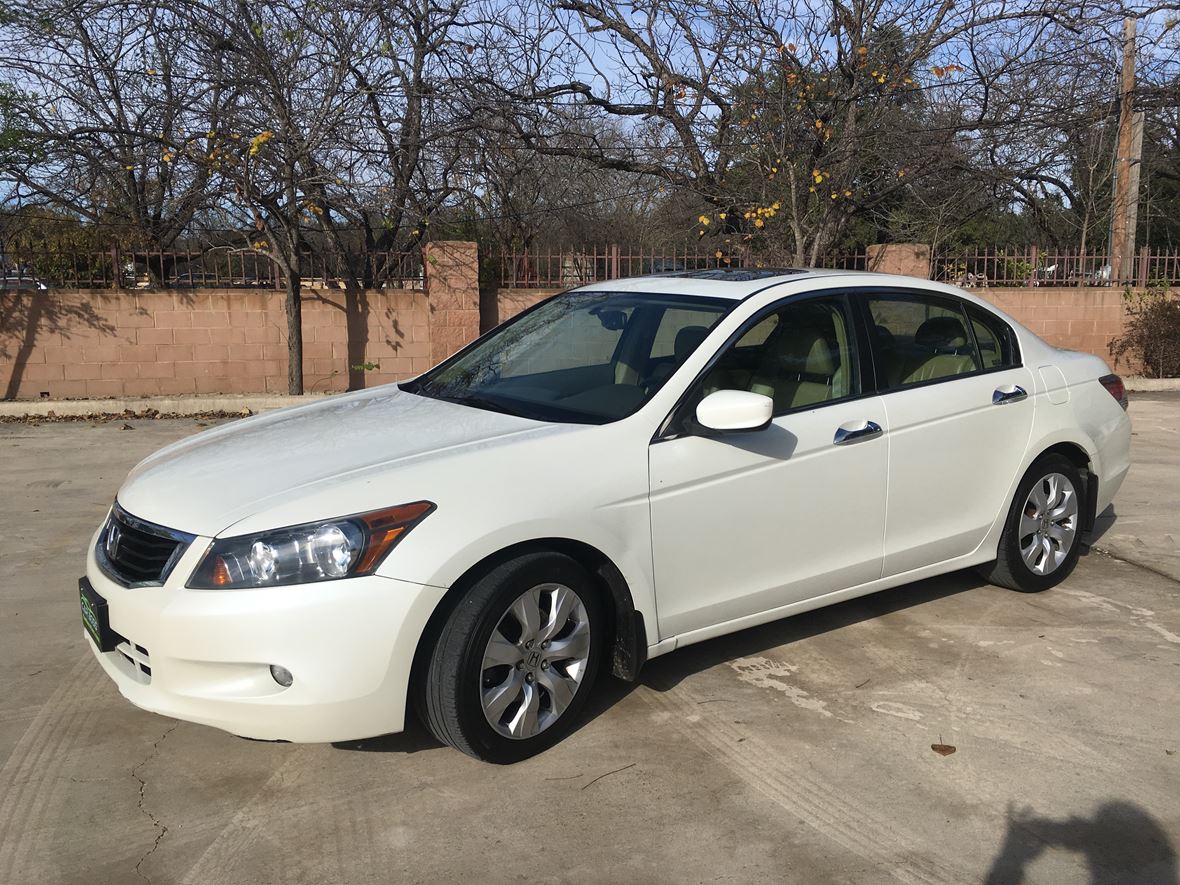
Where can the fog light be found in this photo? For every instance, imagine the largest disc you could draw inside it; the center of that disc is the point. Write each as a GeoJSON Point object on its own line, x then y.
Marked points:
{"type": "Point", "coordinates": [281, 675]}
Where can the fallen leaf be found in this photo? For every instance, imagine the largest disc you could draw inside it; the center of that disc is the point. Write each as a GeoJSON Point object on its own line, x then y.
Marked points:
{"type": "Point", "coordinates": [126, 427]}
{"type": "Point", "coordinates": [942, 749]}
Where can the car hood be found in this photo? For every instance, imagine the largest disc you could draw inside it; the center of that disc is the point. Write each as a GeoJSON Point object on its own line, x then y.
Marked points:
{"type": "Point", "coordinates": [208, 482]}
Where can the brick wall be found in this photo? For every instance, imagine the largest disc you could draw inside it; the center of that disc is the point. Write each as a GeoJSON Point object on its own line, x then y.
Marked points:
{"type": "Point", "coordinates": [1083, 319]}
{"type": "Point", "coordinates": [509, 302]}
{"type": "Point", "coordinates": [101, 343]}
{"type": "Point", "coordinates": [138, 343]}
{"type": "Point", "coordinates": [452, 282]}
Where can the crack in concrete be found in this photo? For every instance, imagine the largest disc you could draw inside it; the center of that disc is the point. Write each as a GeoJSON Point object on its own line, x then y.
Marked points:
{"type": "Point", "coordinates": [1122, 558]}
{"type": "Point", "coordinates": [161, 829]}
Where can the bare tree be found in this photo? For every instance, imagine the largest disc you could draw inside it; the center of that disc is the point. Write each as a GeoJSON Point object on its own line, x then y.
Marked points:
{"type": "Point", "coordinates": [106, 97]}
{"type": "Point", "coordinates": [790, 120]}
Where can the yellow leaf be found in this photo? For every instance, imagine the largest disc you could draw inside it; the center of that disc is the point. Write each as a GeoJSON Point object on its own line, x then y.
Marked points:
{"type": "Point", "coordinates": [819, 124]}
{"type": "Point", "coordinates": [259, 140]}
{"type": "Point", "coordinates": [758, 222]}
{"type": "Point", "coordinates": [722, 216]}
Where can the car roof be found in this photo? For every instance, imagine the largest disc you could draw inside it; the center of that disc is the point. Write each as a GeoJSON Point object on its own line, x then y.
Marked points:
{"type": "Point", "coordinates": [735, 283]}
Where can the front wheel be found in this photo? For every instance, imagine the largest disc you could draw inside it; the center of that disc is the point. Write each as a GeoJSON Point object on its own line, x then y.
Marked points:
{"type": "Point", "coordinates": [516, 659]}
{"type": "Point", "coordinates": [1042, 536]}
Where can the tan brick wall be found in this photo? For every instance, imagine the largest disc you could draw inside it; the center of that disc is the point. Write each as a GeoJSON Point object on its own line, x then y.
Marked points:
{"type": "Point", "coordinates": [1084, 319]}
{"type": "Point", "coordinates": [98, 343]}
{"type": "Point", "coordinates": [906, 259]}
{"type": "Point", "coordinates": [452, 286]}
{"type": "Point", "coordinates": [510, 302]}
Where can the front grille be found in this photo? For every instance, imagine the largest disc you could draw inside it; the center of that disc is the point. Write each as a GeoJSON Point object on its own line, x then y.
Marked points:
{"type": "Point", "coordinates": [137, 553]}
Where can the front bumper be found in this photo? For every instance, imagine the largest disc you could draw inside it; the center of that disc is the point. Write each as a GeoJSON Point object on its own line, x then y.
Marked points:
{"type": "Point", "coordinates": [204, 655]}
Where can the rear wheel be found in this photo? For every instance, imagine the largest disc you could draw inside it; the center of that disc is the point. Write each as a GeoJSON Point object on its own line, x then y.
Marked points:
{"type": "Point", "coordinates": [1042, 536]}
{"type": "Point", "coordinates": [515, 661]}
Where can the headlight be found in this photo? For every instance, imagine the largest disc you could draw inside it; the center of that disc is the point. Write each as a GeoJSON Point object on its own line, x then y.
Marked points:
{"type": "Point", "coordinates": [317, 551]}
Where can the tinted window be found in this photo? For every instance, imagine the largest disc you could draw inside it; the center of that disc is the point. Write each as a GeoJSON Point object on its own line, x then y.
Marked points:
{"type": "Point", "coordinates": [997, 347]}
{"type": "Point", "coordinates": [918, 339]}
{"type": "Point", "coordinates": [801, 356]}
{"type": "Point", "coordinates": [589, 357]}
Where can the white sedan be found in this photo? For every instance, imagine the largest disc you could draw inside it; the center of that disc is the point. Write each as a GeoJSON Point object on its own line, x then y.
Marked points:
{"type": "Point", "coordinates": [626, 468]}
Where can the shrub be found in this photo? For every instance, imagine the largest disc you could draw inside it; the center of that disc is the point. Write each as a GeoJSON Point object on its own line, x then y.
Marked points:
{"type": "Point", "coordinates": [1152, 334]}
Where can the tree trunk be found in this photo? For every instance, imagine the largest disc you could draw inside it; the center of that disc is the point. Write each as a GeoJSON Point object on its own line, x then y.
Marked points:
{"type": "Point", "coordinates": [294, 306]}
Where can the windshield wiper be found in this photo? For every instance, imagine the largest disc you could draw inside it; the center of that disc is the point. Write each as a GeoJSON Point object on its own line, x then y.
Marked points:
{"type": "Point", "coordinates": [478, 402]}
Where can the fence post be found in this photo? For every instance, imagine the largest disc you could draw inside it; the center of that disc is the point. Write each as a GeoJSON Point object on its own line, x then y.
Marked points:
{"type": "Point", "coordinates": [116, 266]}
{"type": "Point", "coordinates": [614, 261]}
{"type": "Point", "coordinates": [1143, 262]}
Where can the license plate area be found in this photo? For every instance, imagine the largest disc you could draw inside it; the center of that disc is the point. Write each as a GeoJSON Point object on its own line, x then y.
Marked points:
{"type": "Point", "coordinates": [96, 618]}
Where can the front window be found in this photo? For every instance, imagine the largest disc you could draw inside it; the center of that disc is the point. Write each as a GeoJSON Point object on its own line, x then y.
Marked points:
{"type": "Point", "coordinates": [801, 356]}
{"type": "Point", "coordinates": [584, 356]}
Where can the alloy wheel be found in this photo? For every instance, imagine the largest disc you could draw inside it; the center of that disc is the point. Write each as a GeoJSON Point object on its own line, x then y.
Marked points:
{"type": "Point", "coordinates": [1049, 524]}
{"type": "Point", "coordinates": [535, 661]}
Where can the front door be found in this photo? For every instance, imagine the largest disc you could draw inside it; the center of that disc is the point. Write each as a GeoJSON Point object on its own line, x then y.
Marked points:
{"type": "Point", "coordinates": [748, 522]}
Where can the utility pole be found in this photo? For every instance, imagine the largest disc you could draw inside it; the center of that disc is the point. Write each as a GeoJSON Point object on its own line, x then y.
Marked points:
{"type": "Point", "coordinates": [1127, 162]}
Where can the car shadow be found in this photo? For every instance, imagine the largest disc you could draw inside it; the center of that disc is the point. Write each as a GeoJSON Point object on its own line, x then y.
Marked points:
{"type": "Point", "coordinates": [666, 672]}
{"type": "Point", "coordinates": [1121, 843]}
{"type": "Point", "coordinates": [1103, 523]}
{"type": "Point", "coordinates": [413, 739]}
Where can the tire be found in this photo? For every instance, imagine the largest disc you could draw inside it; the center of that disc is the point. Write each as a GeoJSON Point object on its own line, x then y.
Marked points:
{"type": "Point", "coordinates": [510, 699]}
{"type": "Point", "coordinates": [1046, 515]}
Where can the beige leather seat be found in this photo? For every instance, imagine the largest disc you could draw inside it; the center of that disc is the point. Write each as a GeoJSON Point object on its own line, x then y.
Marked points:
{"type": "Point", "coordinates": [941, 349]}
{"type": "Point", "coordinates": [687, 340]}
{"type": "Point", "coordinates": [797, 367]}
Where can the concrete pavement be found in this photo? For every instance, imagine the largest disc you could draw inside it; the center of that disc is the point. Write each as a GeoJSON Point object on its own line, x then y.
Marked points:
{"type": "Point", "coordinates": [795, 752]}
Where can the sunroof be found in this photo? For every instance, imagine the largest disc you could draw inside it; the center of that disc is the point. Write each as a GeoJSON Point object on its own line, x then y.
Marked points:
{"type": "Point", "coordinates": [736, 274]}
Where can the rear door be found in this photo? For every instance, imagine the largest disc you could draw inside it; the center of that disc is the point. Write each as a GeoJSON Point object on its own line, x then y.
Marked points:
{"type": "Point", "coordinates": [960, 412]}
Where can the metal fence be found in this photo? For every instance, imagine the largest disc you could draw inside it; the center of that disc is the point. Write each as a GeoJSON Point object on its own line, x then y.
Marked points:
{"type": "Point", "coordinates": [1038, 266]}
{"type": "Point", "coordinates": [39, 266]}
{"type": "Point", "coordinates": [576, 265]}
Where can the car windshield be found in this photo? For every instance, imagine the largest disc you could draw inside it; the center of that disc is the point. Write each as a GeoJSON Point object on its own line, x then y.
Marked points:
{"type": "Point", "coordinates": [588, 357]}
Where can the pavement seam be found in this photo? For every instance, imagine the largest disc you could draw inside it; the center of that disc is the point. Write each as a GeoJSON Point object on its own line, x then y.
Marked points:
{"type": "Point", "coordinates": [161, 828]}
{"type": "Point", "coordinates": [1147, 568]}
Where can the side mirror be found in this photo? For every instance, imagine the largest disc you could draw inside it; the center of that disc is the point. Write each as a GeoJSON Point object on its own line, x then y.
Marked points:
{"type": "Point", "coordinates": [732, 411]}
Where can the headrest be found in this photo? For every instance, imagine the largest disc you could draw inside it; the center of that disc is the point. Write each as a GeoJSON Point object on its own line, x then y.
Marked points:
{"type": "Point", "coordinates": [941, 333]}
{"type": "Point", "coordinates": [687, 340]}
{"type": "Point", "coordinates": [801, 351]}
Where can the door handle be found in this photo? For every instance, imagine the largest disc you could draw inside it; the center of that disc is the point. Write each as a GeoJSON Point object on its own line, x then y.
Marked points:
{"type": "Point", "coordinates": [865, 430]}
{"type": "Point", "coordinates": [1013, 394]}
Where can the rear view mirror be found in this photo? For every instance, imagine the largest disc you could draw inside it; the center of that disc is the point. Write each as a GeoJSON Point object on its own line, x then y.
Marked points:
{"type": "Point", "coordinates": [614, 320]}
{"type": "Point", "coordinates": [732, 411]}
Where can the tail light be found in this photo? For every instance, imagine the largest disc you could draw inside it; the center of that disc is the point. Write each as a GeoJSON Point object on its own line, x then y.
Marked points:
{"type": "Point", "coordinates": [1115, 387]}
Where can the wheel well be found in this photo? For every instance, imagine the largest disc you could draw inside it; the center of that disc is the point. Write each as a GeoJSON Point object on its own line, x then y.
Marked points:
{"type": "Point", "coordinates": [629, 639]}
{"type": "Point", "coordinates": [1073, 452]}
{"type": "Point", "coordinates": [1081, 460]}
